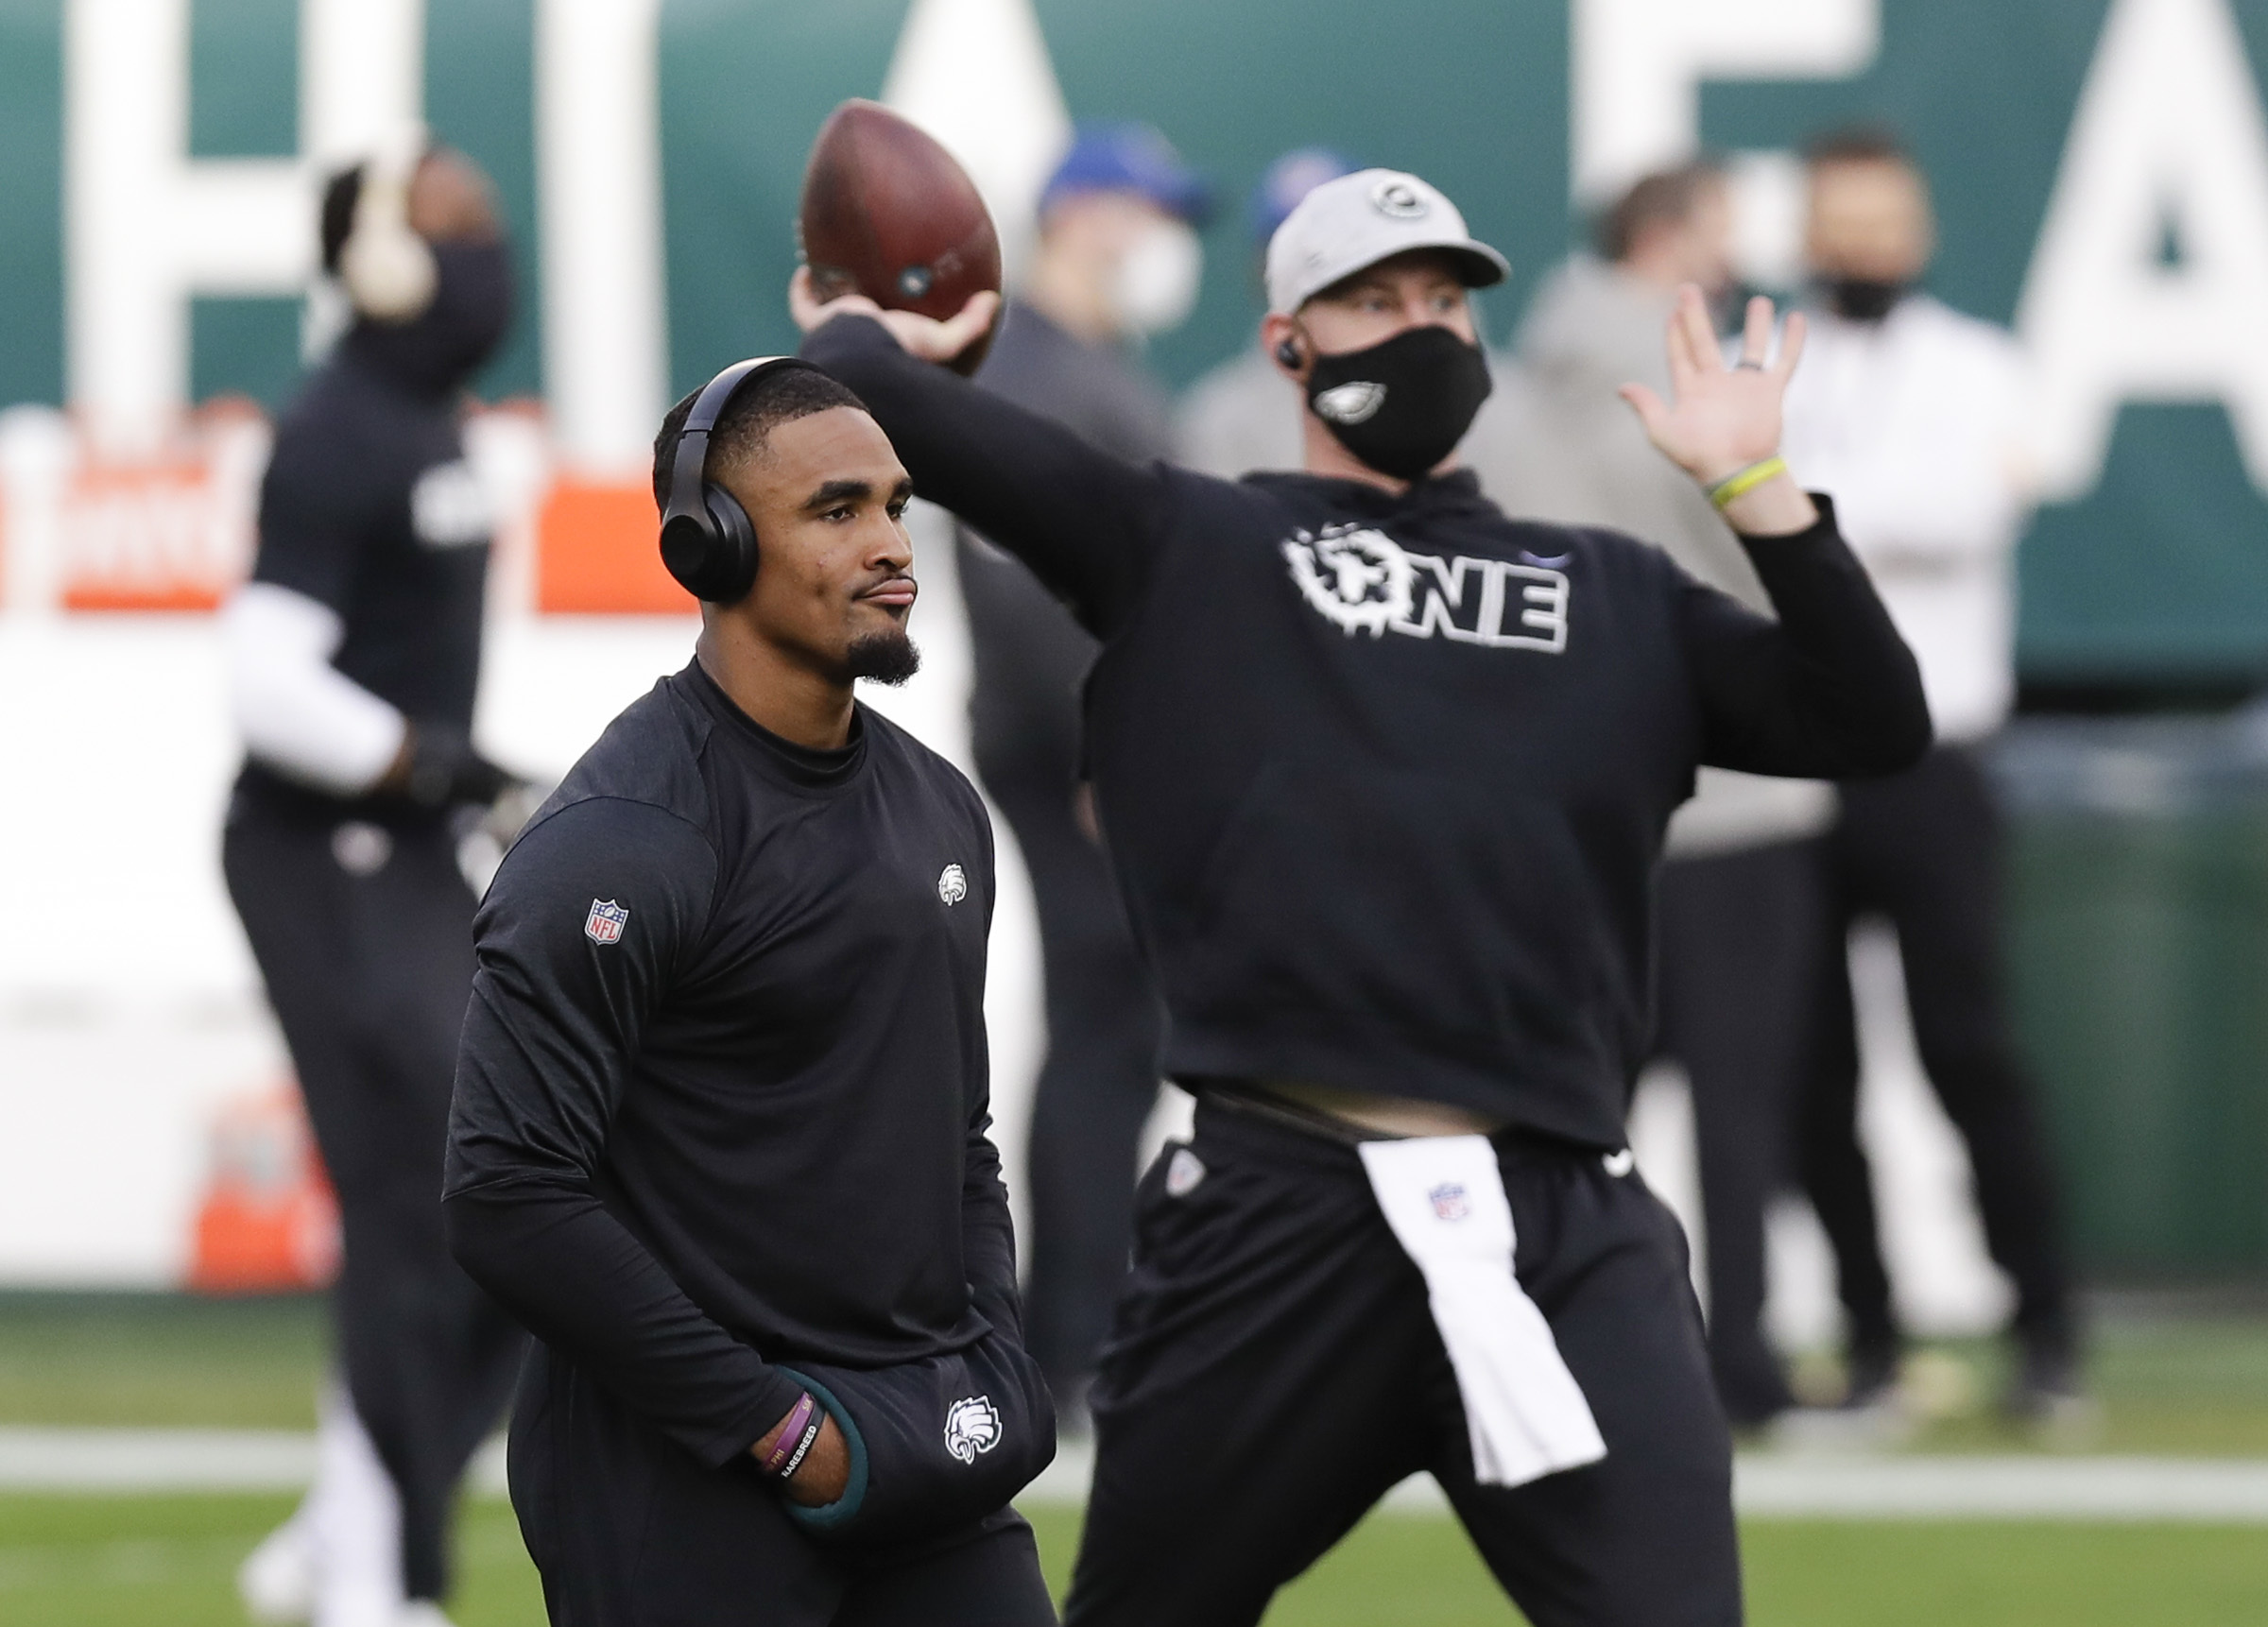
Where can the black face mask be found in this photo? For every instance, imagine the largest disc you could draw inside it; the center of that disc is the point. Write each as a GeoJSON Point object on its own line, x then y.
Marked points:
{"type": "Point", "coordinates": [1863, 299]}
{"type": "Point", "coordinates": [436, 350]}
{"type": "Point", "coordinates": [1401, 406]}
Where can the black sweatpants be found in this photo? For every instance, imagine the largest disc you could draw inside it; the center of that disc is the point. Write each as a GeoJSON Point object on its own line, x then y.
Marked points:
{"type": "Point", "coordinates": [1922, 849]}
{"type": "Point", "coordinates": [1739, 941]}
{"type": "Point", "coordinates": [629, 1530]}
{"type": "Point", "coordinates": [368, 975]}
{"type": "Point", "coordinates": [1275, 1369]}
{"type": "Point", "coordinates": [1099, 1083]}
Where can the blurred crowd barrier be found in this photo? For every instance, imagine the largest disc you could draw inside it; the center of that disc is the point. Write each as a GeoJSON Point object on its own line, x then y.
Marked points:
{"type": "Point", "coordinates": [85, 526]}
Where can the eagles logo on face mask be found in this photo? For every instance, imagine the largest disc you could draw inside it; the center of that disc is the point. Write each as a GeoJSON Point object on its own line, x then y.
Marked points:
{"type": "Point", "coordinates": [1351, 404]}
{"type": "Point", "coordinates": [1402, 405]}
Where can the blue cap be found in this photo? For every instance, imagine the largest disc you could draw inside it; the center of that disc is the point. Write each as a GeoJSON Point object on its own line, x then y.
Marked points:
{"type": "Point", "coordinates": [1129, 158]}
{"type": "Point", "coordinates": [1287, 181]}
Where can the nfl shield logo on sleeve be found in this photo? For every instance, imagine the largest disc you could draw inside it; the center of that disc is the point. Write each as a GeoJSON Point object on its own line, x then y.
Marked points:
{"type": "Point", "coordinates": [605, 923]}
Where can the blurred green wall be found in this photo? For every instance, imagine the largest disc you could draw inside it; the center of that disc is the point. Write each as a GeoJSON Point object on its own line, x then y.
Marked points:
{"type": "Point", "coordinates": [1474, 92]}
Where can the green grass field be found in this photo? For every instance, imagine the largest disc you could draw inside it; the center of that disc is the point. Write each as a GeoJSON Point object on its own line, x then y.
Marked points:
{"type": "Point", "coordinates": [169, 1562]}
{"type": "Point", "coordinates": [2187, 1387]}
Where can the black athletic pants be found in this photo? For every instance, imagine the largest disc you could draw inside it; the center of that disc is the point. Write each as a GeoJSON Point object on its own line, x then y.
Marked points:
{"type": "Point", "coordinates": [629, 1530]}
{"type": "Point", "coordinates": [368, 975]}
{"type": "Point", "coordinates": [1099, 1082]}
{"type": "Point", "coordinates": [1922, 849]}
{"type": "Point", "coordinates": [1274, 1370]}
{"type": "Point", "coordinates": [1740, 942]}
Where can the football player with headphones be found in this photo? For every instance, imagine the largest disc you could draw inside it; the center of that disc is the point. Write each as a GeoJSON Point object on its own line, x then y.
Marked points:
{"type": "Point", "coordinates": [720, 1130]}
{"type": "Point", "coordinates": [352, 654]}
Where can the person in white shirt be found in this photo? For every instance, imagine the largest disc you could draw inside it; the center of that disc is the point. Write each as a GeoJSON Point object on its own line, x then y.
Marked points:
{"type": "Point", "coordinates": [1911, 415]}
{"type": "Point", "coordinates": [1740, 918]}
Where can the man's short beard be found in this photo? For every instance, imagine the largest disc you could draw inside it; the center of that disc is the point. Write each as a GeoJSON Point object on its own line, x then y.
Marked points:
{"type": "Point", "coordinates": [889, 658]}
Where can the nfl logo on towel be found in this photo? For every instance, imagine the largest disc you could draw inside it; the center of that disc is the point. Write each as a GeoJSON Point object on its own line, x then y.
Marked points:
{"type": "Point", "coordinates": [605, 923]}
{"type": "Point", "coordinates": [1449, 1201]}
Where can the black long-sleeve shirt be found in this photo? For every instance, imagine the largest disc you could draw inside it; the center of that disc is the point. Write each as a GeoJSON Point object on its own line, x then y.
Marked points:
{"type": "Point", "coordinates": [722, 1096]}
{"type": "Point", "coordinates": [1385, 776]}
{"type": "Point", "coordinates": [370, 508]}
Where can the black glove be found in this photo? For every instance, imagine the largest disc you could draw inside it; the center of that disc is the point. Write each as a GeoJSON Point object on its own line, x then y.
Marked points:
{"type": "Point", "coordinates": [444, 770]}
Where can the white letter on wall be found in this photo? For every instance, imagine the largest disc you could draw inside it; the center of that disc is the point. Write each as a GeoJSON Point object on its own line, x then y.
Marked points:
{"type": "Point", "coordinates": [1637, 65]}
{"type": "Point", "coordinates": [976, 74]}
{"type": "Point", "coordinates": [145, 227]}
{"type": "Point", "coordinates": [1634, 82]}
{"type": "Point", "coordinates": [2169, 138]}
{"type": "Point", "coordinates": [598, 146]}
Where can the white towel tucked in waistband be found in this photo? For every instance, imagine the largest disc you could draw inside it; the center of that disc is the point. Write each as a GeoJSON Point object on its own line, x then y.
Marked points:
{"type": "Point", "coordinates": [1445, 1199]}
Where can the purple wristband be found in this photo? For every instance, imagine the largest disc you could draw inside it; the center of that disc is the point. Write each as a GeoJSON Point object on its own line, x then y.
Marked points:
{"type": "Point", "coordinates": [795, 1460]}
{"type": "Point", "coordinates": [791, 1443]}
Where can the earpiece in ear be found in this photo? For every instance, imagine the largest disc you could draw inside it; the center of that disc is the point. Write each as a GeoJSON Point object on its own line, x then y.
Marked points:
{"type": "Point", "coordinates": [1288, 353]}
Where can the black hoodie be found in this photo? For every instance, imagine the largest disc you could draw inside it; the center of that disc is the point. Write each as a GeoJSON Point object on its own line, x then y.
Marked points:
{"type": "Point", "coordinates": [1385, 777]}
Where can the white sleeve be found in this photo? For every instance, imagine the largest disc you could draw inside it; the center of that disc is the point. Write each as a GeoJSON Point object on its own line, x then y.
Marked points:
{"type": "Point", "coordinates": [297, 713]}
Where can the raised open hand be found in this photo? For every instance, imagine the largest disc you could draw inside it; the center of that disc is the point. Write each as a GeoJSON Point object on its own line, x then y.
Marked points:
{"type": "Point", "coordinates": [1720, 419]}
{"type": "Point", "coordinates": [924, 338]}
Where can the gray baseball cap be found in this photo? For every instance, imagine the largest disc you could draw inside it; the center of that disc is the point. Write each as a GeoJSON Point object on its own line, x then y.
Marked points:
{"type": "Point", "coordinates": [1360, 219]}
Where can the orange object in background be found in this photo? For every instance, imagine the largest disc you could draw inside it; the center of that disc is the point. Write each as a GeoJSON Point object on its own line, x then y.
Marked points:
{"type": "Point", "coordinates": [268, 1223]}
{"type": "Point", "coordinates": [173, 531]}
{"type": "Point", "coordinates": [597, 553]}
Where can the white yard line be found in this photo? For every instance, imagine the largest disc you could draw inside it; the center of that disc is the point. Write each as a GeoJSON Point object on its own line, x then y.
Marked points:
{"type": "Point", "coordinates": [179, 1461]}
{"type": "Point", "coordinates": [1820, 1486]}
{"type": "Point", "coordinates": [2232, 1492]}
{"type": "Point", "coordinates": [1773, 1486]}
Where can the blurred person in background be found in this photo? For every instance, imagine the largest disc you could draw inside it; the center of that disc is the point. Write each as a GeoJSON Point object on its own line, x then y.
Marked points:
{"type": "Point", "coordinates": [1245, 414]}
{"type": "Point", "coordinates": [354, 653]}
{"type": "Point", "coordinates": [1739, 935]}
{"type": "Point", "coordinates": [1913, 415]}
{"type": "Point", "coordinates": [1118, 260]}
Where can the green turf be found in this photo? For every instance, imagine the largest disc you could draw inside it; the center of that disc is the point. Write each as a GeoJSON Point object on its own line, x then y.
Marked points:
{"type": "Point", "coordinates": [2188, 1386]}
{"type": "Point", "coordinates": [169, 1561]}
{"type": "Point", "coordinates": [159, 1359]}
{"type": "Point", "coordinates": [2193, 1386]}
{"type": "Point", "coordinates": [2181, 1387]}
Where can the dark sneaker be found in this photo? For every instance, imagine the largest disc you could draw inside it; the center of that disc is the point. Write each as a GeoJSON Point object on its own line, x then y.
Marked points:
{"type": "Point", "coordinates": [1871, 1416]}
{"type": "Point", "coordinates": [2048, 1396]}
{"type": "Point", "coordinates": [1872, 1381]}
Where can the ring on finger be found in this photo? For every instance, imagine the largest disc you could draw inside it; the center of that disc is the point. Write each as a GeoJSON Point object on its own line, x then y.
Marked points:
{"type": "Point", "coordinates": [1746, 363]}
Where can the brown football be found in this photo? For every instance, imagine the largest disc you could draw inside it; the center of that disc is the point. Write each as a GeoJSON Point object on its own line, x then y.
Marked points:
{"type": "Point", "coordinates": [889, 213]}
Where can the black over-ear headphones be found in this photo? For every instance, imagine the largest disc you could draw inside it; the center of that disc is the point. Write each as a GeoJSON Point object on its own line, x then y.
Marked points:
{"type": "Point", "coordinates": [708, 541]}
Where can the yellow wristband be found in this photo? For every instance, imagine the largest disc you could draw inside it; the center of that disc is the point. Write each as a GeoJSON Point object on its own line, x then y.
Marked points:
{"type": "Point", "coordinates": [1741, 481]}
